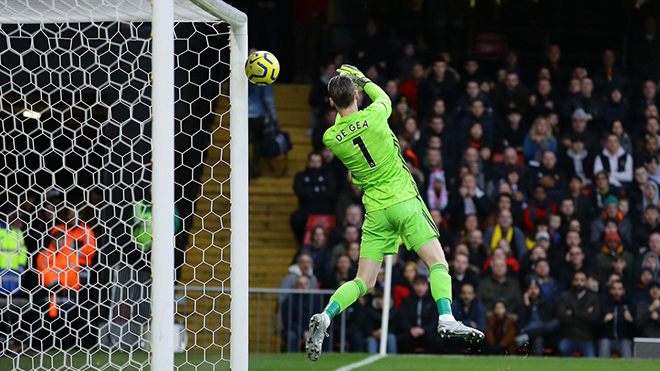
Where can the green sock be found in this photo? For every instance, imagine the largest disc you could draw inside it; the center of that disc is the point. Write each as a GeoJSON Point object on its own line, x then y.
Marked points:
{"type": "Point", "coordinates": [346, 295]}
{"type": "Point", "coordinates": [441, 287]}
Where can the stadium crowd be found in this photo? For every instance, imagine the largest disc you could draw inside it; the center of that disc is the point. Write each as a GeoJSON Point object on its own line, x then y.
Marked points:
{"type": "Point", "coordinates": [543, 181]}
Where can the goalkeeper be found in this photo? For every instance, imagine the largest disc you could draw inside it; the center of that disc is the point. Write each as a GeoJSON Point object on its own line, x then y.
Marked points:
{"type": "Point", "coordinates": [363, 141]}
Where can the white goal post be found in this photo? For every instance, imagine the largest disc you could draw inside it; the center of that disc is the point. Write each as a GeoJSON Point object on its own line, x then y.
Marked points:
{"type": "Point", "coordinates": [163, 15]}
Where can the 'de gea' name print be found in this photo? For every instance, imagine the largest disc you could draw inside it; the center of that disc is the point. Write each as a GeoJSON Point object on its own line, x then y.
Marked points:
{"type": "Point", "coordinates": [352, 128]}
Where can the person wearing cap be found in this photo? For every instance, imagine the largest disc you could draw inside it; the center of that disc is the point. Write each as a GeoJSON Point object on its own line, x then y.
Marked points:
{"type": "Point", "coordinates": [579, 120]}
{"type": "Point", "coordinates": [577, 160]}
{"type": "Point", "coordinates": [612, 249]}
{"type": "Point", "coordinates": [615, 162]}
{"type": "Point", "coordinates": [647, 317]}
{"type": "Point", "coordinates": [611, 214]}
{"type": "Point", "coordinates": [587, 101]}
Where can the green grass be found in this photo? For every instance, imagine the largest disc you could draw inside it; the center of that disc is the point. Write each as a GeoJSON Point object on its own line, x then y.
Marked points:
{"type": "Point", "coordinates": [295, 362]}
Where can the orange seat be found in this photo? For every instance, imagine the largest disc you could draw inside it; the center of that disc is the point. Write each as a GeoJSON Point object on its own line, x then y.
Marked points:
{"type": "Point", "coordinates": [326, 221]}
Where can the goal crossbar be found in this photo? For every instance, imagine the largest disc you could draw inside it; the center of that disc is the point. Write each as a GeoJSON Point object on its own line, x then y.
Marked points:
{"type": "Point", "coordinates": [48, 11]}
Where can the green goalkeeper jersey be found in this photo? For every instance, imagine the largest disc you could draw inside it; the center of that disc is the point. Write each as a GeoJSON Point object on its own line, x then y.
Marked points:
{"type": "Point", "coordinates": [364, 142]}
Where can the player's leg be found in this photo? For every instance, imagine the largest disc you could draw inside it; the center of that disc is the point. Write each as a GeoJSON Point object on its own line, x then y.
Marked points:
{"type": "Point", "coordinates": [379, 238]}
{"type": "Point", "coordinates": [420, 234]}
{"type": "Point", "coordinates": [343, 298]}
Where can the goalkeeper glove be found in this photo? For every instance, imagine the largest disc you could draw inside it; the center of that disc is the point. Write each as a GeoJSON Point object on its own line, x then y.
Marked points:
{"type": "Point", "coordinates": [358, 78]}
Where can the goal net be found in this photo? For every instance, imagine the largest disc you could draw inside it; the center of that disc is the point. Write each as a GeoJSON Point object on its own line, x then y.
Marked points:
{"type": "Point", "coordinates": [111, 195]}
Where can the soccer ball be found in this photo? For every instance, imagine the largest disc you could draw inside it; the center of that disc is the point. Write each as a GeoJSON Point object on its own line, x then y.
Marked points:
{"type": "Point", "coordinates": [262, 68]}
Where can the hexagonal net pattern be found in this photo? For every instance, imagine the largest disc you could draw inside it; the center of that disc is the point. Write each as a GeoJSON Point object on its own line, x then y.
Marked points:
{"type": "Point", "coordinates": [75, 202]}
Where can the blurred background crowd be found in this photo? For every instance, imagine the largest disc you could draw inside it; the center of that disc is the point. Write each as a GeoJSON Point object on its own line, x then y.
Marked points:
{"type": "Point", "coordinates": [532, 131]}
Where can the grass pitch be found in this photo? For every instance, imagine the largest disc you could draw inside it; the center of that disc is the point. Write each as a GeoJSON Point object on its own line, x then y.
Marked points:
{"type": "Point", "coordinates": [298, 362]}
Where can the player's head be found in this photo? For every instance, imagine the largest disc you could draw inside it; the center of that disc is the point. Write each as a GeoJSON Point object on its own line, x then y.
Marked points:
{"type": "Point", "coordinates": [342, 92]}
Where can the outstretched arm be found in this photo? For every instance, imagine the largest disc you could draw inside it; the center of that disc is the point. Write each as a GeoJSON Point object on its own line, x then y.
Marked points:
{"type": "Point", "coordinates": [381, 101]}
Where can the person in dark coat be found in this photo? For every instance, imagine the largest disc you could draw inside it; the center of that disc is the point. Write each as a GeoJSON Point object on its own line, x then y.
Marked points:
{"type": "Point", "coordinates": [467, 200]}
{"type": "Point", "coordinates": [616, 324]}
{"type": "Point", "coordinates": [296, 311]}
{"type": "Point", "coordinates": [578, 311]}
{"type": "Point", "coordinates": [372, 325]}
{"type": "Point", "coordinates": [537, 324]}
{"type": "Point", "coordinates": [468, 309]}
{"type": "Point", "coordinates": [462, 275]}
{"type": "Point", "coordinates": [417, 329]}
{"type": "Point", "coordinates": [316, 191]}
{"type": "Point", "coordinates": [647, 316]}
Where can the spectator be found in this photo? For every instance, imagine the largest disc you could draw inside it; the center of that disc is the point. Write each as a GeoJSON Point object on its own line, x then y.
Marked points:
{"type": "Point", "coordinates": [501, 330]}
{"type": "Point", "coordinates": [341, 273]}
{"type": "Point", "coordinates": [612, 249]}
{"type": "Point", "coordinates": [586, 100]}
{"type": "Point", "coordinates": [647, 316]}
{"type": "Point", "coordinates": [303, 268]}
{"type": "Point", "coordinates": [536, 319]}
{"type": "Point", "coordinates": [616, 162]}
{"type": "Point", "coordinates": [610, 76]}
{"type": "Point", "coordinates": [317, 249]}
{"type": "Point", "coordinates": [504, 229]}
{"type": "Point", "coordinates": [511, 95]}
{"type": "Point", "coordinates": [468, 309]}
{"type": "Point", "coordinates": [538, 141]}
{"type": "Point", "coordinates": [617, 322]}
{"type": "Point", "coordinates": [316, 192]}
{"type": "Point", "coordinates": [540, 208]}
{"type": "Point", "coordinates": [645, 51]}
{"type": "Point", "coordinates": [296, 311]}
{"type": "Point", "coordinates": [578, 311]}
{"type": "Point", "coordinates": [404, 289]}
{"type": "Point", "coordinates": [476, 114]}
{"type": "Point", "coordinates": [497, 286]}
{"type": "Point", "coordinates": [261, 108]}
{"type": "Point", "coordinates": [503, 251]}
{"type": "Point", "coordinates": [417, 320]}
{"type": "Point", "coordinates": [577, 160]}
{"type": "Point", "coordinates": [461, 274]}
{"type": "Point", "coordinates": [550, 288]}
{"type": "Point", "coordinates": [513, 133]}
{"type": "Point", "coordinates": [612, 214]}
{"type": "Point", "coordinates": [579, 126]}
{"type": "Point", "coordinates": [440, 84]}
{"type": "Point", "coordinates": [544, 101]}
{"type": "Point", "coordinates": [548, 176]}
{"type": "Point", "coordinates": [374, 318]}
{"type": "Point", "coordinates": [353, 215]}
{"type": "Point", "coordinates": [558, 73]}
{"type": "Point", "coordinates": [648, 225]}
{"type": "Point", "coordinates": [649, 97]}
{"type": "Point", "coordinates": [602, 192]}
{"type": "Point", "coordinates": [410, 87]}
{"type": "Point", "coordinates": [616, 109]}
{"type": "Point", "coordinates": [472, 94]}
{"type": "Point", "coordinates": [351, 234]}
{"type": "Point", "coordinates": [468, 200]}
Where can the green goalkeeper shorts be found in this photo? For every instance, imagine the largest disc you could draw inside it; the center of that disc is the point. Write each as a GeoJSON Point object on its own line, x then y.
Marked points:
{"type": "Point", "coordinates": [409, 219]}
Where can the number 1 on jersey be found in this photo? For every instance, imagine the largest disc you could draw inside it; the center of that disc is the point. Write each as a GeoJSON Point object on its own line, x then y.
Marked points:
{"type": "Point", "coordinates": [365, 152]}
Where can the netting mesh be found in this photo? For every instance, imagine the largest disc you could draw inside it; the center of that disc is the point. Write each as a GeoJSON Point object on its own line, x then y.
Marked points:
{"type": "Point", "coordinates": [75, 176]}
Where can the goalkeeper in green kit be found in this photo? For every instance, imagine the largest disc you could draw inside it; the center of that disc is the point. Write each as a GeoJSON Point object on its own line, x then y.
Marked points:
{"type": "Point", "coordinates": [363, 141]}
